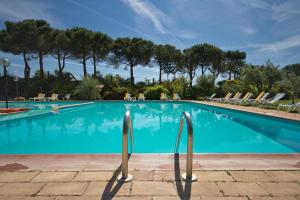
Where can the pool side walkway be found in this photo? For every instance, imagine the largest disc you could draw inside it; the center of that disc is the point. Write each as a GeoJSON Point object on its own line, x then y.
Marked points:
{"type": "Point", "coordinates": [93, 177]}
{"type": "Point", "coordinates": [256, 110]}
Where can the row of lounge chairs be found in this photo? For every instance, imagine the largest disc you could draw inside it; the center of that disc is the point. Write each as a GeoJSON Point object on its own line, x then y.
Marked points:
{"type": "Point", "coordinates": [261, 99]}
{"type": "Point", "coordinates": [141, 97]}
{"type": "Point", "coordinates": [53, 97]}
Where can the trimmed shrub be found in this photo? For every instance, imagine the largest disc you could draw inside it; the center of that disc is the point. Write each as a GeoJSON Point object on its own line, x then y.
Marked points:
{"type": "Point", "coordinates": [87, 90]}
{"type": "Point", "coordinates": [115, 94]}
{"type": "Point", "coordinates": [153, 92]}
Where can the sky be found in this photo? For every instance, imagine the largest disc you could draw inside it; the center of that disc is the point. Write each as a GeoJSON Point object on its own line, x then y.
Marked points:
{"type": "Point", "coordinates": [264, 29]}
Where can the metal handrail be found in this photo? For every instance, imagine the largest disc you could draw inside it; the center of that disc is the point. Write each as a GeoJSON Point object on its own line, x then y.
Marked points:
{"type": "Point", "coordinates": [127, 124]}
{"type": "Point", "coordinates": [188, 175]}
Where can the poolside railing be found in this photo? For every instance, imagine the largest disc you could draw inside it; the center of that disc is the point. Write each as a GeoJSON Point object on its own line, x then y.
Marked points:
{"type": "Point", "coordinates": [127, 124]}
{"type": "Point", "coordinates": [188, 175]}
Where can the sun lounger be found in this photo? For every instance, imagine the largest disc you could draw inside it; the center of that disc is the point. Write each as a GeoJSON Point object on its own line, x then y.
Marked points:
{"type": "Point", "coordinates": [127, 97]}
{"type": "Point", "coordinates": [244, 99]}
{"type": "Point", "coordinates": [40, 97]}
{"type": "Point", "coordinates": [54, 97]}
{"type": "Point", "coordinates": [67, 97]}
{"type": "Point", "coordinates": [290, 107]}
{"type": "Point", "coordinates": [163, 96]}
{"type": "Point", "coordinates": [274, 99]}
{"type": "Point", "coordinates": [176, 96]}
{"type": "Point", "coordinates": [210, 98]}
{"type": "Point", "coordinates": [228, 95]}
{"type": "Point", "coordinates": [235, 97]}
{"type": "Point", "coordinates": [141, 97]}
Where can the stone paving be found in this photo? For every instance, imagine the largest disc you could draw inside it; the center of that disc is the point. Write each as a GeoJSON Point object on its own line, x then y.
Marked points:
{"type": "Point", "coordinates": [150, 184]}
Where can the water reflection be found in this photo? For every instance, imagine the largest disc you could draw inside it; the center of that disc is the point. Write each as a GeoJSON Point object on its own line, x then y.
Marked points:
{"type": "Point", "coordinates": [97, 128]}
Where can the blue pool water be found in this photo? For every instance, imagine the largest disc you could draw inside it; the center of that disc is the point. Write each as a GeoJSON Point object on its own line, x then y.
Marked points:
{"type": "Point", "coordinates": [97, 128]}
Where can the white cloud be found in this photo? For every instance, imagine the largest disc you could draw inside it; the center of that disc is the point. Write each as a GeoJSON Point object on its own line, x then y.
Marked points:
{"type": "Point", "coordinates": [150, 12]}
{"type": "Point", "coordinates": [249, 30]}
{"type": "Point", "coordinates": [286, 43]}
{"type": "Point", "coordinates": [19, 10]}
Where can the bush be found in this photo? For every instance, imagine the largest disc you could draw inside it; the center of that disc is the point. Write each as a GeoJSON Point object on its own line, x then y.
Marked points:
{"type": "Point", "coordinates": [153, 92]}
{"type": "Point", "coordinates": [115, 94]}
{"type": "Point", "coordinates": [205, 85]}
{"type": "Point", "coordinates": [87, 90]}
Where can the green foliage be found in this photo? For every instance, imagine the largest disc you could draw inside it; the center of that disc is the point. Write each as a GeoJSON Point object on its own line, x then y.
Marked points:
{"type": "Point", "coordinates": [115, 94]}
{"type": "Point", "coordinates": [131, 52]}
{"type": "Point", "coordinates": [232, 86]}
{"type": "Point", "coordinates": [205, 85]}
{"type": "Point", "coordinates": [233, 61]}
{"type": "Point", "coordinates": [87, 89]}
{"type": "Point", "coordinates": [153, 92]}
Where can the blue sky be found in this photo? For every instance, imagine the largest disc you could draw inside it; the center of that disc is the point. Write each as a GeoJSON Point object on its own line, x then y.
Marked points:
{"type": "Point", "coordinates": [264, 29]}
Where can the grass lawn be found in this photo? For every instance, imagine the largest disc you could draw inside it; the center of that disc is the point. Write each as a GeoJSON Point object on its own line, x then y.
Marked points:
{"type": "Point", "coordinates": [275, 105]}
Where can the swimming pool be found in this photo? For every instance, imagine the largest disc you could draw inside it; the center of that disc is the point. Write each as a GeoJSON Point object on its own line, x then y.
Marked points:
{"type": "Point", "coordinates": [97, 128]}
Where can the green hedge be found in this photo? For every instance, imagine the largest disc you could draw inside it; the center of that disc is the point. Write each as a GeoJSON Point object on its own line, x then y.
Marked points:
{"type": "Point", "coordinates": [153, 92]}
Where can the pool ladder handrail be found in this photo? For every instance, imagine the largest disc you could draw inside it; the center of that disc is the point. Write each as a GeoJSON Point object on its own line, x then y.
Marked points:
{"type": "Point", "coordinates": [127, 124]}
{"type": "Point", "coordinates": [188, 175]}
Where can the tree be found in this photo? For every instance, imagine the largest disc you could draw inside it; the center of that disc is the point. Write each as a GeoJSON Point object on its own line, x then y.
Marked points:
{"type": "Point", "coordinates": [271, 74]}
{"type": "Point", "coordinates": [206, 56]}
{"type": "Point", "coordinates": [60, 48]}
{"type": "Point", "coordinates": [101, 46]}
{"type": "Point", "coordinates": [233, 61]}
{"type": "Point", "coordinates": [18, 38]}
{"type": "Point", "coordinates": [42, 41]}
{"type": "Point", "coordinates": [80, 45]}
{"type": "Point", "coordinates": [167, 58]}
{"type": "Point", "coordinates": [131, 52]}
{"type": "Point", "coordinates": [295, 68]}
{"type": "Point", "coordinates": [189, 64]}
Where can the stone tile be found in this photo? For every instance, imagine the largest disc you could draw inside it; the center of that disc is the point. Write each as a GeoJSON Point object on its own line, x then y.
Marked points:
{"type": "Point", "coordinates": [153, 188]}
{"type": "Point", "coordinates": [288, 189]}
{"type": "Point", "coordinates": [98, 198]}
{"type": "Point", "coordinates": [272, 198]}
{"type": "Point", "coordinates": [108, 189]}
{"type": "Point", "coordinates": [176, 198]}
{"type": "Point", "coordinates": [142, 175]}
{"type": "Point", "coordinates": [68, 188]}
{"type": "Point", "coordinates": [223, 198]}
{"type": "Point", "coordinates": [166, 176]}
{"type": "Point", "coordinates": [250, 176]}
{"type": "Point", "coordinates": [20, 188]}
{"type": "Point", "coordinates": [17, 176]}
{"type": "Point", "coordinates": [213, 176]}
{"type": "Point", "coordinates": [54, 177]}
{"type": "Point", "coordinates": [197, 189]}
{"type": "Point", "coordinates": [284, 175]}
{"type": "Point", "coordinates": [25, 198]}
{"type": "Point", "coordinates": [241, 189]}
{"type": "Point", "coordinates": [93, 176]}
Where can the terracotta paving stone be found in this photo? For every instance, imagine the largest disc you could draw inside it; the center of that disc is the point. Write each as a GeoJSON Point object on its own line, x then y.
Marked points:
{"type": "Point", "coordinates": [93, 176]}
{"type": "Point", "coordinates": [53, 177]}
{"type": "Point", "coordinates": [250, 176]}
{"type": "Point", "coordinates": [68, 188]}
{"type": "Point", "coordinates": [213, 176]}
{"type": "Point", "coordinates": [284, 175]}
{"type": "Point", "coordinates": [272, 198]}
{"type": "Point", "coordinates": [241, 188]}
{"type": "Point", "coordinates": [166, 176]}
{"type": "Point", "coordinates": [224, 198]}
{"type": "Point", "coordinates": [99, 197]}
{"type": "Point", "coordinates": [17, 176]}
{"type": "Point", "coordinates": [20, 188]}
{"type": "Point", "coordinates": [281, 188]}
{"type": "Point", "coordinates": [176, 198]}
{"type": "Point", "coordinates": [25, 198]}
{"type": "Point", "coordinates": [153, 188]}
{"type": "Point", "coordinates": [108, 189]}
{"type": "Point", "coordinates": [142, 175]}
{"type": "Point", "coordinates": [197, 189]}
